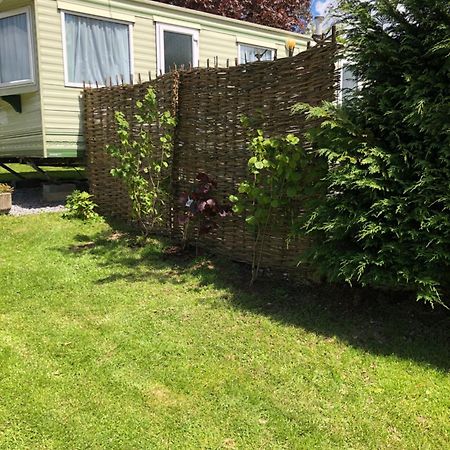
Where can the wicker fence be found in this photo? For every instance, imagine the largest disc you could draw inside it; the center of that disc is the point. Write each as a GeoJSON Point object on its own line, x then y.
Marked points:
{"type": "Point", "coordinates": [209, 135]}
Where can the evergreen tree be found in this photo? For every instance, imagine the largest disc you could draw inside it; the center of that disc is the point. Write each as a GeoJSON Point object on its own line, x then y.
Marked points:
{"type": "Point", "coordinates": [385, 221]}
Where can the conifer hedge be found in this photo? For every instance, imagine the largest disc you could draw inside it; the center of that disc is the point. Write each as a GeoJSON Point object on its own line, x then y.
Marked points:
{"type": "Point", "coordinates": [385, 221]}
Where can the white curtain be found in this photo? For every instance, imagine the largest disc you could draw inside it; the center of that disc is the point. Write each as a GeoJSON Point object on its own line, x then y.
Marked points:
{"type": "Point", "coordinates": [14, 49]}
{"type": "Point", "coordinates": [97, 50]}
{"type": "Point", "coordinates": [250, 54]}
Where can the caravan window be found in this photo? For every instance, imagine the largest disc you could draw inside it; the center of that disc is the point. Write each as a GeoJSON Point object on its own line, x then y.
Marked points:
{"type": "Point", "coordinates": [251, 53]}
{"type": "Point", "coordinates": [177, 47]}
{"type": "Point", "coordinates": [96, 50]}
{"type": "Point", "coordinates": [16, 54]}
{"type": "Point", "coordinates": [349, 82]}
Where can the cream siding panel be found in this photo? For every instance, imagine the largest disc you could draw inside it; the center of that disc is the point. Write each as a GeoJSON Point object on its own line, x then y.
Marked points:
{"type": "Point", "coordinates": [144, 42]}
{"type": "Point", "coordinates": [93, 11]}
{"type": "Point", "coordinates": [61, 105]}
{"type": "Point", "coordinates": [215, 44]}
{"type": "Point", "coordinates": [7, 5]}
{"type": "Point", "coordinates": [21, 133]}
{"type": "Point", "coordinates": [224, 45]}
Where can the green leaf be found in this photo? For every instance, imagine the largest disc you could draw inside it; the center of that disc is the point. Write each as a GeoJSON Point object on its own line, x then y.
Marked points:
{"type": "Point", "coordinates": [243, 188]}
{"type": "Point", "coordinates": [294, 140]}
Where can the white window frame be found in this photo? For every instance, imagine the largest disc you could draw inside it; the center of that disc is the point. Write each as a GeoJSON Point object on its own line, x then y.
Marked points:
{"type": "Point", "coordinates": [240, 44]}
{"type": "Point", "coordinates": [15, 12]}
{"type": "Point", "coordinates": [160, 56]}
{"type": "Point", "coordinates": [68, 83]}
{"type": "Point", "coordinates": [341, 64]}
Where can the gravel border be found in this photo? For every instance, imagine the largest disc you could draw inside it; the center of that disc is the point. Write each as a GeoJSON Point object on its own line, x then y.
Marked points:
{"type": "Point", "coordinates": [28, 201]}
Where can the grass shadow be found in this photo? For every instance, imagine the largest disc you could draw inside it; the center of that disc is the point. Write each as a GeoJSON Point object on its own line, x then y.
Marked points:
{"type": "Point", "coordinates": [390, 326]}
{"type": "Point", "coordinates": [29, 174]}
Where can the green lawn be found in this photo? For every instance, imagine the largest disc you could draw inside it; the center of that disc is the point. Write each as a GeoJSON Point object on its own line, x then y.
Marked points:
{"type": "Point", "coordinates": [106, 345]}
{"type": "Point", "coordinates": [55, 173]}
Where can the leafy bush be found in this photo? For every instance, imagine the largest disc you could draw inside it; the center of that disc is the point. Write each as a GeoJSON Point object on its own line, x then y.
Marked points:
{"type": "Point", "coordinates": [277, 184]}
{"type": "Point", "coordinates": [79, 205]}
{"type": "Point", "coordinates": [386, 219]}
{"type": "Point", "coordinates": [142, 163]}
{"type": "Point", "coordinates": [201, 207]}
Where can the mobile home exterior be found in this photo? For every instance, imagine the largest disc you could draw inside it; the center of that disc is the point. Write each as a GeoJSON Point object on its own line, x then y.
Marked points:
{"type": "Point", "coordinates": [48, 48]}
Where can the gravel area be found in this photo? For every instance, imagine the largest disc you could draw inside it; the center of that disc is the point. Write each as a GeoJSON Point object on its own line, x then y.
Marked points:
{"type": "Point", "coordinates": [29, 201]}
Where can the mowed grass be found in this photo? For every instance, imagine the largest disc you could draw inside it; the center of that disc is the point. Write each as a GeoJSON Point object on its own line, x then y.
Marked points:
{"type": "Point", "coordinates": [105, 345]}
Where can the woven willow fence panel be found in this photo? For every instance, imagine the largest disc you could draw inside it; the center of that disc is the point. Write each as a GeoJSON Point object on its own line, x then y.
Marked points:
{"type": "Point", "coordinates": [210, 138]}
{"type": "Point", "coordinates": [100, 130]}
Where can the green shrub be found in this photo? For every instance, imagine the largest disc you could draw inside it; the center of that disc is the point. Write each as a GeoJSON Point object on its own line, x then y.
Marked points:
{"type": "Point", "coordinates": [143, 162]}
{"type": "Point", "coordinates": [278, 179]}
{"type": "Point", "coordinates": [386, 219]}
{"type": "Point", "coordinates": [79, 205]}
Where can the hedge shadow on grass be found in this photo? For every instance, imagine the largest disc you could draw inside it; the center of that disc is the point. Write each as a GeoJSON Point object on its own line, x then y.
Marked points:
{"type": "Point", "coordinates": [395, 326]}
